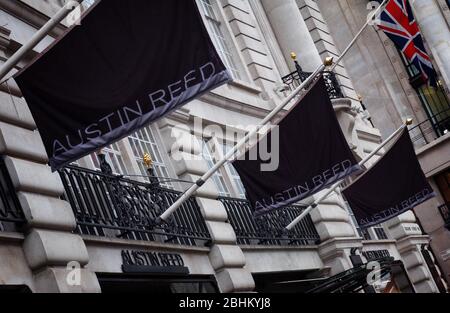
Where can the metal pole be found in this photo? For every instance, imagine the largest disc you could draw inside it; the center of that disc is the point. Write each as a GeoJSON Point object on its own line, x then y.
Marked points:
{"type": "Point", "coordinates": [37, 37]}
{"type": "Point", "coordinates": [333, 188]}
{"type": "Point", "coordinates": [201, 181]}
{"type": "Point", "coordinates": [185, 196]}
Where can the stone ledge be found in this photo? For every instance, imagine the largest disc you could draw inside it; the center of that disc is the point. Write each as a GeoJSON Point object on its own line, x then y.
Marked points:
{"type": "Point", "coordinates": [45, 248]}
{"type": "Point", "coordinates": [15, 111]}
{"type": "Point", "coordinates": [23, 143]}
{"type": "Point", "coordinates": [11, 237]}
{"type": "Point", "coordinates": [226, 256]}
{"type": "Point", "coordinates": [34, 178]}
{"type": "Point", "coordinates": [269, 248]}
{"type": "Point", "coordinates": [221, 233]}
{"type": "Point", "coordinates": [124, 243]}
{"type": "Point", "coordinates": [184, 162]}
{"type": "Point", "coordinates": [331, 245]}
{"type": "Point", "coordinates": [235, 280]}
{"type": "Point", "coordinates": [410, 243]}
{"type": "Point", "coordinates": [47, 213]}
{"type": "Point", "coordinates": [212, 210]}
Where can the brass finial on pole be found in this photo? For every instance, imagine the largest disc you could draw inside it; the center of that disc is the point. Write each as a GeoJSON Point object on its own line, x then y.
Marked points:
{"type": "Point", "coordinates": [360, 98]}
{"type": "Point", "coordinates": [148, 161]}
{"type": "Point", "coordinates": [409, 121]}
{"type": "Point", "coordinates": [328, 61]}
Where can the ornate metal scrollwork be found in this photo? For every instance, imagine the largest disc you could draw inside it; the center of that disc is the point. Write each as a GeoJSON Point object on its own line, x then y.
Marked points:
{"type": "Point", "coordinates": [129, 209]}
{"type": "Point", "coordinates": [295, 78]}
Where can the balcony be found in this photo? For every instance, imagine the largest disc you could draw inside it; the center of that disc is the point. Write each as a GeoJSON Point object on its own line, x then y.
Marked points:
{"type": "Point", "coordinates": [445, 213]}
{"type": "Point", "coordinates": [268, 229]}
{"type": "Point", "coordinates": [433, 128]}
{"type": "Point", "coordinates": [11, 215]}
{"type": "Point", "coordinates": [294, 79]}
{"type": "Point", "coordinates": [111, 206]}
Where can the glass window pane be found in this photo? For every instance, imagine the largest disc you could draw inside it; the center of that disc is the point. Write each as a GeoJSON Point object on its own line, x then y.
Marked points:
{"type": "Point", "coordinates": [113, 157]}
{"type": "Point", "coordinates": [143, 142]}
{"type": "Point", "coordinates": [217, 177]}
{"type": "Point", "coordinates": [218, 38]}
{"type": "Point", "coordinates": [234, 174]}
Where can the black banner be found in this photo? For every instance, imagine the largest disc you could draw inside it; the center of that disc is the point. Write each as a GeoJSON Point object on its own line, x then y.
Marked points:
{"type": "Point", "coordinates": [394, 185]}
{"type": "Point", "coordinates": [313, 154]}
{"type": "Point", "coordinates": [128, 64]}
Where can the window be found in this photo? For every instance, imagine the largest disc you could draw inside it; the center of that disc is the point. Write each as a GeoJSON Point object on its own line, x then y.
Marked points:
{"type": "Point", "coordinates": [113, 157]}
{"type": "Point", "coordinates": [218, 37]}
{"type": "Point", "coordinates": [142, 142]}
{"type": "Point", "coordinates": [363, 232]}
{"type": "Point", "coordinates": [434, 101]}
{"type": "Point", "coordinates": [381, 234]}
{"type": "Point", "coordinates": [217, 177]}
{"type": "Point", "coordinates": [234, 174]}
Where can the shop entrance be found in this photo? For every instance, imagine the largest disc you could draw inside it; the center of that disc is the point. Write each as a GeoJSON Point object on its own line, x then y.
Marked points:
{"type": "Point", "coordinates": [156, 284]}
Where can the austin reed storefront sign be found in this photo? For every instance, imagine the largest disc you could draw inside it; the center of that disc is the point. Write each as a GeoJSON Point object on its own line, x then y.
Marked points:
{"type": "Point", "coordinates": [152, 262]}
{"type": "Point", "coordinates": [313, 154]}
{"type": "Point", "coordinates": [394, 185]}
{"type": "Point", "coordinates": [128, 64]}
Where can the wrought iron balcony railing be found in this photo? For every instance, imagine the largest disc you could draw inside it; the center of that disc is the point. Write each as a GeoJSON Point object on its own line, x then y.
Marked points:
{"type": "Point", "coordinates": [294, 79]}
{"type": "Point", "coordinates": [431, 129]}
{"type": "Point", "coordinates": [445, 212]}
{"type": "Point", "coordinates": [112, 206]}
{"type": "Point", "coordinates": [11, 214]}
{"type": "Point", "coordinates": [268, 229]}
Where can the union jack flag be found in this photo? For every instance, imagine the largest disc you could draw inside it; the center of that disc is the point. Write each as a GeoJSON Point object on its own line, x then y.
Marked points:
{"type": "Point", "coordinates": [398, 23]}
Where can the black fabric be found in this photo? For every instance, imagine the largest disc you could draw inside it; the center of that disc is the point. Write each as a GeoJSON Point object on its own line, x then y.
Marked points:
{"type": "Point", "coordinates": [128, 64]}
{"type": "Point", "coordinates": [313, 154]}
{"type": "Point", "coordinates": [394, 185]}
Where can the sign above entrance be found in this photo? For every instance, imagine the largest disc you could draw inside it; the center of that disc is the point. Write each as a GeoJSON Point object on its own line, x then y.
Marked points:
{"type": "Point", "coordinates": [153, 262]}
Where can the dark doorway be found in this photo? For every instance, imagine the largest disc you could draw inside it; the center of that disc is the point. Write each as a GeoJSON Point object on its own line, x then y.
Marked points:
{"type": "Point", "coordinates": [156, 284]}
{"type": "Point", "coordinates": [288, 281]}
{"type": "Point", "coordinates": [5, 289]}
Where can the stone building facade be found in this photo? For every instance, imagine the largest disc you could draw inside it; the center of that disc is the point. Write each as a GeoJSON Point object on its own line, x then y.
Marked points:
{"type": "Point", "coordinates": [390, 92]}
{"type": "Point", "coordinates": [86, 230]}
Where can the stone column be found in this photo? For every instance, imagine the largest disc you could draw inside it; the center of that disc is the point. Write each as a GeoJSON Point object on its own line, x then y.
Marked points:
{"type": "Point", "coordinates": [436, 33]}
{"type": "Point", "coordinates": [409, 239]}
{"type": "Point", "coordinates": [292, 33]}
{"type": "Point", "coordinates": [226, 257]}
{"type": "Point", "coordinates": [56, 256]}
{"type": "Point", "coordinates": [336, 232]}
{"type": "Point", "coordinates": [251, 44]}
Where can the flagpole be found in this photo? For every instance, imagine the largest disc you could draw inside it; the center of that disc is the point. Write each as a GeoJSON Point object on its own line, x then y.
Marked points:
{"type": "Point", "coordinates": [190, 192]}
{"type": "Point", "coordinates": [335, 186]}
{"type": "Point", "coordinates": [36, 38]}
{"type": "Point", "coordinates": [328, 62]}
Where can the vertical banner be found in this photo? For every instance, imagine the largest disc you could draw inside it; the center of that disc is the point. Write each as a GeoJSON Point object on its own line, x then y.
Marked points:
{"type": "Point", "coordinates": [313, 154]}
{"type": "Point", "coordinates": [394, 185]}
{"type": "Point", "coordinates": [397, 21]}
{"type": "Point", "coordinates": [127, 64]}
